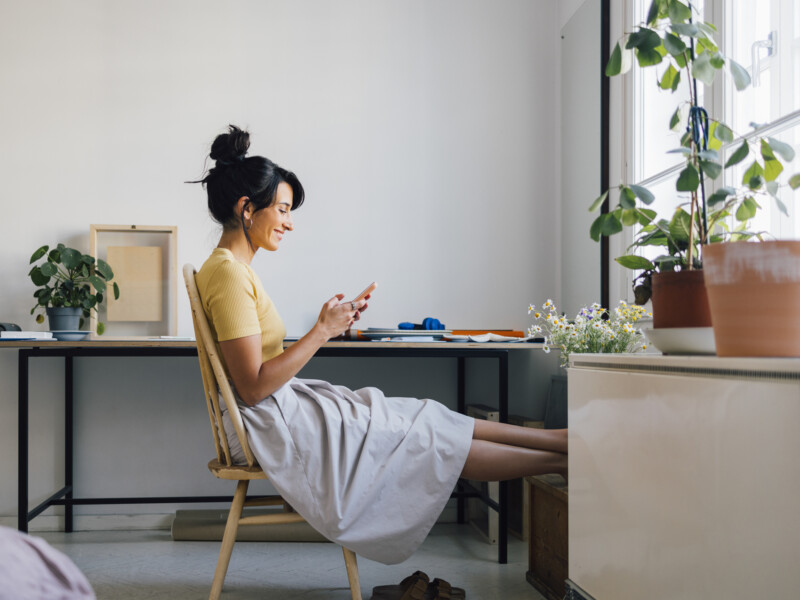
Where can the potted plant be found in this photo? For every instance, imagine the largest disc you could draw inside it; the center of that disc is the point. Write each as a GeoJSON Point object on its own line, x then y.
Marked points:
{"type": "Point", "coordinates": [681, 46]}
{"type": "Point", "coordinates": [71, 284]}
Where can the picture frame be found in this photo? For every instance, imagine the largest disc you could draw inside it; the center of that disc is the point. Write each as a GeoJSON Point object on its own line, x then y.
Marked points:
{"type": "Point", "coordinates": [145, 264]}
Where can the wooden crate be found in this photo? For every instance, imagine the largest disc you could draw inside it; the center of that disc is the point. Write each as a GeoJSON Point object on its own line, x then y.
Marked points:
{"type": "Point", "coordinates": [548, 551]}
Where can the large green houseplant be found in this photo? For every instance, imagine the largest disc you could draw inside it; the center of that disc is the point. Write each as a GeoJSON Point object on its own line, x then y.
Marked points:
{"type": "Point", "coordinates": [682, 46]}
{"type": "Point", "coordinates": [69, 279]}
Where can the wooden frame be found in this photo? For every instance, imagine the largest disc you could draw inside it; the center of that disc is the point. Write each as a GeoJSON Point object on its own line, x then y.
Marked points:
{"type": "Point", "coordinates": [148, 256]}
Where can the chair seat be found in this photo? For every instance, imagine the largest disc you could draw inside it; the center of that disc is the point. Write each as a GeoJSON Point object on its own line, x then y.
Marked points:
{"type": "Point", "coordinates": [235, 472]}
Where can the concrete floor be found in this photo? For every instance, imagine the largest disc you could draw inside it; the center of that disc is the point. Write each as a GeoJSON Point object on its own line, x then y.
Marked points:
{"type": "Point", "coordinates": [134, 565]}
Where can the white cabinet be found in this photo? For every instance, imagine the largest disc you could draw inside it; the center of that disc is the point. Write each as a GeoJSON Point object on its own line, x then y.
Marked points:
{"type": "Point", "coordinates": [684, 477]}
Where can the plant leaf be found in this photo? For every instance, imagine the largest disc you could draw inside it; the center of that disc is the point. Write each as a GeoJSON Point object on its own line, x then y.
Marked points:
{"type": "Point", "coordinates": [794, 181]}
{"type": "Point", "coordinates": [785, 151]}
{"type": "Point", "coordinates": [688, 180]}
{"type": "Point", "coordinates": [754, 171]}
{"type": "Point", "coordinates": [717, 60]}
{"type": "Point", "coordinates": [38, 277]}
{"type": "Point", "coordinates": [702, 69]}
{"type": "Point", "coordinates": [676, 119]}
{"type": "Point", "coordinates": [632, 261]}
{"type": "Point", "coordinates": [686, 29]}
{"type": "Point", "coordinates": [713, 142]}
{"type": "Point", "coordinates": [643, 39]}
{"type": "Point", "coordinates": [680, 226]}
{"type": "Point", "coordinates": [739, 155]}
{"type": "Point", "coordinates": [674, 45]}
{"type": "Point", "coordinates": [98, 283]}
{"type": "Point", "coordinates": [39, 254]}
{"type": "Point", "coordinates": [741, 78]}
{"type": "Point", "coordinates": [614, 66]}
{"type": "Point", "coordinates": [48, 269]}
{"type": "Point", "coordinates": [652, 14]}
{"type": "Point", "coordinates": [720, 195]}
{"type": "Point", "coordinates": [101, 328]}
{"type": "Point", "coordinates": [594, 230]}
{"type": "Point", "coordinates": [747, 210]}
{"type": "Point", "coordinates": [647, 58]}
{"type": "Point", "coordinates": [70, 257]}
{"type": "Point", "coordinates": [646, 216]}
{"type": "Point", "coordinates": [611, 224]}
{"type": "Point", "coordinates": [596, 204]}
{"type": "Point", "coordinates": [772, 166]}
{"type": "Point", "coordinates": [104, 269]}
{"type": "Point", "coordinates": [710, 154]}
{"type": "Point", "coordinates": [682, 150]}
{"type": "Point", "coordinates": [627, 198]}
{"type": "Point", "coordinates": [643, 194]}
{"type": "Point", "coordinates": [679, 12]}
{"type": "Point", "coordinates": [711, 168]}
{"type": "Point", "coordinates": [671, 79]}
{"type": "Point", "coordinates": [722, 132]}
{"type": "Point", "coordinates": [116, 291]}
{"type": "Point", "coordinates": [629, 217]}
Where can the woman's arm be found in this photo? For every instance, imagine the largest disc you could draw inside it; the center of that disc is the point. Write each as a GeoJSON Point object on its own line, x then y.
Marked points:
{"type": "Point", "coordinates": [255, 380]}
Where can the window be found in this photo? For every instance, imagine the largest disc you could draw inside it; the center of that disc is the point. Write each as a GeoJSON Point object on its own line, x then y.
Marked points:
{"type": "Point", "coordinates": [764, 37]}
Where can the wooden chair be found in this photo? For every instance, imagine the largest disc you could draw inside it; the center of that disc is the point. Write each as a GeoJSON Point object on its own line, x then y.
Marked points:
{"type": "Point", "coordinates": [215, 383]}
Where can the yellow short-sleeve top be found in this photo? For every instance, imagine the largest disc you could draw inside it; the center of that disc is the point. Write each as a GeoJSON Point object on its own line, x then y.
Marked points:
{"type": "Point", "coordinates": [236, 304]}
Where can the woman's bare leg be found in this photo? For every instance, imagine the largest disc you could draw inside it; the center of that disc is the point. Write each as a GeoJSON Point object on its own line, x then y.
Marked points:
{"type": "Point", "coordinates": [554, 440]}
{"type": "Point", "coordinates": [491, 461]}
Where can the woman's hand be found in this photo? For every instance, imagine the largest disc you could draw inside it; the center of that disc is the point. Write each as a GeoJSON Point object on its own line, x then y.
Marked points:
{"type": "Point", "coordinates": [255, 380]}
{"type": "Point", "coordinates": [336, 317]}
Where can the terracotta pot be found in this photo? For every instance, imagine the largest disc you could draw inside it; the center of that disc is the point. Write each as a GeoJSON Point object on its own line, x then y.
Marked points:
{"type": "Point", "coordinates": [754, 293]}
{"type": "Point", "coordinates": [680, 300]}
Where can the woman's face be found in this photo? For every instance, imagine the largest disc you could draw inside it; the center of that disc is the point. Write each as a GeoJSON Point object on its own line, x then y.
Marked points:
{"type": "Point", "coordinates": [270, 224]}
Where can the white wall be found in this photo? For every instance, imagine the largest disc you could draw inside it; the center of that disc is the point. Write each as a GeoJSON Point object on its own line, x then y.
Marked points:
{"type": "Point", "coordinates": [566, 10]}
{"type": "Point", "coordinates": [422, 131]}
{"type": "Point", "coordinates": [581, 158]}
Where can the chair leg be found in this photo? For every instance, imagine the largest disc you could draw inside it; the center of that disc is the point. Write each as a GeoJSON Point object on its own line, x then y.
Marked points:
{"type": "Point", "coordinates": [228, 539]}
{"type": "Point", "coordinates": [352, 573]}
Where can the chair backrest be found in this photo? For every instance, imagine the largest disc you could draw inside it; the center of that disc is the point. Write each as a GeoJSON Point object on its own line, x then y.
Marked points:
{"type": "Point", "coordinates": [215, 379]}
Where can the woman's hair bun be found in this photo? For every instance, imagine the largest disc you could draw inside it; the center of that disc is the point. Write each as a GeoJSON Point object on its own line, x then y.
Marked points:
{"type": "Point", "coordinates": [230, 147]}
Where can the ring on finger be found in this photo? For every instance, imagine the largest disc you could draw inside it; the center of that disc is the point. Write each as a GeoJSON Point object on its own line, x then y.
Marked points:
{"type": "Point", "coordinates": [353, 305]}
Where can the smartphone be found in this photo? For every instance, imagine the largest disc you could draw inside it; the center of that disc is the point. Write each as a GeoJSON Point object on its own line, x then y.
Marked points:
{"type": "Point", "coordinates": [369, 289]}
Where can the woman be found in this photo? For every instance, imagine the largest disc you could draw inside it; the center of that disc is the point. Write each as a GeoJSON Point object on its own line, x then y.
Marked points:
{"type": "Point", "coordinates": [369, 472]}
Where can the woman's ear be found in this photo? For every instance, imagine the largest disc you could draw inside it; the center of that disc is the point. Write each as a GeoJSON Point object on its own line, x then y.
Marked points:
{"type": "Point", "coordinates": [243, 207]}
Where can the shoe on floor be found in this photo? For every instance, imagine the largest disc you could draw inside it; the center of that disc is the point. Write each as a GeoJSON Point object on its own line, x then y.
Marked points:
{"type": "Point", "coordinates": [413, 587]}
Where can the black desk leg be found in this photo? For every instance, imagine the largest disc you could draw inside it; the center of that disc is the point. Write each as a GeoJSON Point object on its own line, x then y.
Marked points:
{"type": "Point", "coordinates": [68, 430]}
{"type": "Point", "coordinates": [502, 542]}
{"type": "Point", "coordinates": [22, 441]}
{"type": "Point", "coordinates": [461, 501]}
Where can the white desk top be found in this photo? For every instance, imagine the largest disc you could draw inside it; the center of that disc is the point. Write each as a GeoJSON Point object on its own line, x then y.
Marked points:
{"type": "Point", "coordinates": [182, 343]}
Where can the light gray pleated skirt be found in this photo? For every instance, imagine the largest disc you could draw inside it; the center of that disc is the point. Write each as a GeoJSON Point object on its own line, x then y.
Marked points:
{"type": "Point", "coordinates": [370, 473]}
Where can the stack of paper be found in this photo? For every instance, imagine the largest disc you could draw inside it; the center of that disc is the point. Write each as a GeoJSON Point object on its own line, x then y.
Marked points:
{"type": "Point", "coordinates": [485, 337]}
{"type": "Point", "coordinates": [26, 335]}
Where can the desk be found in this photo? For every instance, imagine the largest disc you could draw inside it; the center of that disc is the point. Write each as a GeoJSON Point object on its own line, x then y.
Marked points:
{"type": "Point", "coordinates": [163, 348]}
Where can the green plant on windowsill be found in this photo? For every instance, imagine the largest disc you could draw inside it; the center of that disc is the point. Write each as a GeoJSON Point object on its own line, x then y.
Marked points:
{"type": "Point", "coordinates": [685, 47]}
{"type": "Point", "coordinates": [70, 279]}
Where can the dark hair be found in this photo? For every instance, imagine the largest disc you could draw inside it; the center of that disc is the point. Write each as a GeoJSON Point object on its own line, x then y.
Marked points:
{"type": "Point", "coordinates": [236, 175]}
